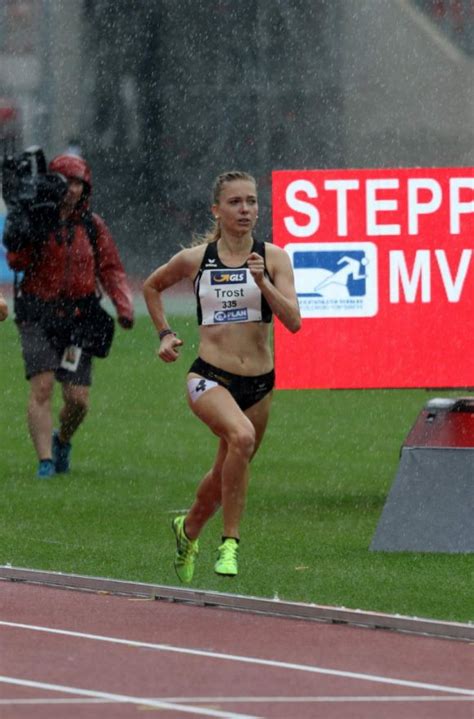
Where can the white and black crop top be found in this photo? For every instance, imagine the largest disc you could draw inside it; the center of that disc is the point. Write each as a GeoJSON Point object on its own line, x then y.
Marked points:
{"type": "Point", "coordinates": [229, 294]}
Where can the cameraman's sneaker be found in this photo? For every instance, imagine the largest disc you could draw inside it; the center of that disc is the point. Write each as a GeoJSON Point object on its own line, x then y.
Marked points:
{"type": "Point", "coordinates": [61, 454]}
{"type": "Point", "coordinates": [226, 564]}
{"type": "Point", "coordinates": [45, 469]}
{"type": "Point", "coordinates": [186, 551]}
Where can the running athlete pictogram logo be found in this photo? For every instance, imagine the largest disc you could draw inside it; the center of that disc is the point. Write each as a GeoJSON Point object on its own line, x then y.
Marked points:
{"type": "Point", "coordinates": [335, 279]}
{"type": "Point", "coordinates": [341, 283]}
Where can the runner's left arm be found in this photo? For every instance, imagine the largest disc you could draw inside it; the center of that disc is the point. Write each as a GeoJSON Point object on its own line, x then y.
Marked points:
{"type": "Point", "coordinates": [280, 292]}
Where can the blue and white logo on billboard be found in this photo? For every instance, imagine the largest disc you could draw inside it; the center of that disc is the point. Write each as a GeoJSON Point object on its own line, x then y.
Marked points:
{"type": "Point", "coordinates": [335, 279]}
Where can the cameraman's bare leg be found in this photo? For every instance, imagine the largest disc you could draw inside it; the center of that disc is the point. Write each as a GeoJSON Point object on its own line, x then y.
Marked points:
{"type": "Point", "coordinates": [74, 410]}
{"type": "Point", "coordinates": [40, 422]}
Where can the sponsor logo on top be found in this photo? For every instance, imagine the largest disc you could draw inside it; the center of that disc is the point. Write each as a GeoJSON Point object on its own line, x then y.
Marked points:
{"type": "Point", "coordinates": [224, 277]}
{"type": "Point", "coordinates": [231, 315]}
{"type": "Point", "coordinates": [335, 279]}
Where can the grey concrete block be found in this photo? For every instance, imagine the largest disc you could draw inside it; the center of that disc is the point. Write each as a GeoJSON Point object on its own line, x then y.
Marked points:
{"type": "Point", "coordinates": [430, 507]}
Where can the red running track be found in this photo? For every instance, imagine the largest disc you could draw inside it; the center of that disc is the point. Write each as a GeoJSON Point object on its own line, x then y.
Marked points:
{"type": "Point", "coordinates": [78, 654]}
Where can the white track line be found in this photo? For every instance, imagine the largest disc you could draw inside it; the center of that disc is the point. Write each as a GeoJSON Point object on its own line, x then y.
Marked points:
{"type": "Point", "coordinates": [247, 660]}
{"type": "Point", "coordinates": [371, 699]}
{"type": "Point", "coordinates": [155, 703]}
{"type": "Point", "coordinates": [54, 702]}
{"type": "Point", "coordinates": [318, 700]}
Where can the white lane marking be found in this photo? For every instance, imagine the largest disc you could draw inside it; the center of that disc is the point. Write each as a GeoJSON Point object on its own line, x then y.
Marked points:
{"type": "Point", "coordinates": [53, 702]}
{"type": "Point", "coordinates": [155, 703]}
{"type": "Point", "coordinates": [312, 700]}
{"type": "Point", "coordinates": [256, 700]}
{"type": "Point", "coordinates": [247, 660]}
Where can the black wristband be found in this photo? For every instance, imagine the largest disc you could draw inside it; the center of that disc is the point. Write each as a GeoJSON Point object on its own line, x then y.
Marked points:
{"type": "Point", "coordinates": [166, 332]}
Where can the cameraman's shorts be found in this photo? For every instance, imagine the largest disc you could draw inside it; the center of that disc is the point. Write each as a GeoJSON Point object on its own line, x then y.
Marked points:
{"type": "Point", "coordinates": [39, 355]}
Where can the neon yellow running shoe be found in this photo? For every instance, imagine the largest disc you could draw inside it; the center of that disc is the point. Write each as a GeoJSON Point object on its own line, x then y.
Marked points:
{"type": "Point", "coordinates": [226, 564]}
{"type": "Point", "coordinates": [186, 551]}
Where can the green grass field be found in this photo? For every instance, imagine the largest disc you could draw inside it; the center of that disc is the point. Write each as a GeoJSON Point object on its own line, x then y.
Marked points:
{"type": "Point", "coordinates": [319, 484]}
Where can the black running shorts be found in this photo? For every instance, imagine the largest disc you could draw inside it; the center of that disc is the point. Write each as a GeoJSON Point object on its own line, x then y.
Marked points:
{"type": "Point", "coordinates": [246, 391]}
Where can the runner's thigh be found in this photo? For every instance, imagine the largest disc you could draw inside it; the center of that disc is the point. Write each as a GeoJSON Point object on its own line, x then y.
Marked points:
{"type": "Point", "coordinates": [218, 409]}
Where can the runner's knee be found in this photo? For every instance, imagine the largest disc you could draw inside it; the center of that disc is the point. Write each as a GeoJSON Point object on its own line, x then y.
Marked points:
{"type": "Point", "coordinates": [242, 440]}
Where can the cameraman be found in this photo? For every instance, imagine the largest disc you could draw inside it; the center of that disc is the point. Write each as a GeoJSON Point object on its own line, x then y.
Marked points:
{"type": "Point", "coordinates": [65, 256]}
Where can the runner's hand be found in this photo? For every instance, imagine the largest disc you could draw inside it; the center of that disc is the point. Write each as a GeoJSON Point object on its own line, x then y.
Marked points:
{"type": "Point", "coordinates": [169, 346]}
{"type": "Point", "coordinates": [256, 266]}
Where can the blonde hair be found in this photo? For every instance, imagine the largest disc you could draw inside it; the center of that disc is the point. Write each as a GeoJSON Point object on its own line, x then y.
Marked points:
{"type": "Point", "coordinates": [214, 232]}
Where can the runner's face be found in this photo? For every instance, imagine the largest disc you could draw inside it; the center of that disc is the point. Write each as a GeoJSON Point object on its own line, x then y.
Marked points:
{"type": "Point", "coordinates": [237, 208]}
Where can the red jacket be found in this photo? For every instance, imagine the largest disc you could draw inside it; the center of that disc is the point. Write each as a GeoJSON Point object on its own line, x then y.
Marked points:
{"type": "Point", "coordinates": [68, 269]}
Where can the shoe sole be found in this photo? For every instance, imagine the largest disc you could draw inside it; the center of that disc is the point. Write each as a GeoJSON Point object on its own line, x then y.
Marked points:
{"type": "Point", "coordinates": [225, 574]}
{"type": "Point", "coordinates": [221, 574]}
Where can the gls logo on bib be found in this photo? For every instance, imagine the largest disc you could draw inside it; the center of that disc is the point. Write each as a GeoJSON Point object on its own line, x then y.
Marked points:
{"type": "Point", "coordinates": [219, 277]}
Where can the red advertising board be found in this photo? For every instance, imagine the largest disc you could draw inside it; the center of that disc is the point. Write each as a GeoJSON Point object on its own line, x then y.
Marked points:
{"type": "Point", "coordinates": [384, 271]}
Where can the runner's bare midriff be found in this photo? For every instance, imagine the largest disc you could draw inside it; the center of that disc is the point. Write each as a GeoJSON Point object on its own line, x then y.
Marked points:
{"type": "Point", "coordinates": [241, 348]}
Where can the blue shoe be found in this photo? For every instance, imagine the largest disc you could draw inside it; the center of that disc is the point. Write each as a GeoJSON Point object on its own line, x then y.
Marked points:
{"type": "Point", "coordinates": [46, 469]}
{"type": "Point", "coordinates": [61, 454]}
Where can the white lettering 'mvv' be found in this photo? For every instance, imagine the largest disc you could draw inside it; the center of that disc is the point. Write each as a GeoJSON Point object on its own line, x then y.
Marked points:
{"type": "Point", "coordinates": [453, 289]}
{"type": "Point", "coordinates": [421, 273]}
{"type": "Point", "coordinates": [399, 275]}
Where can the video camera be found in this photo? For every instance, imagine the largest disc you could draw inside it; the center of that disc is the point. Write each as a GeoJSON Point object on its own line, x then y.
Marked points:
{"type": "Point", "coordinates": [27, 183]}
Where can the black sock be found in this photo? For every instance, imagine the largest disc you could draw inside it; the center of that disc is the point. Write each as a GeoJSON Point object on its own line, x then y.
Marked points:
{"type": "Point", "coordinates": [224, 538]}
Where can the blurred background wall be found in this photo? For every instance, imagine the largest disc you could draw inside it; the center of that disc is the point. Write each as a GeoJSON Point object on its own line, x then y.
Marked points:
{"type": "Point", "coordinates": [162, 95]}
